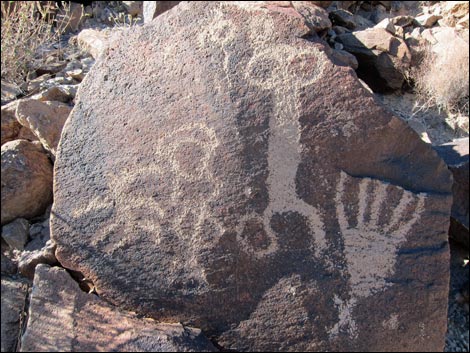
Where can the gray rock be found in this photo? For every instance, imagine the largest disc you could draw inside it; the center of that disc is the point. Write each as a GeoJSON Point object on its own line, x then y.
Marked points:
{"type": "Point", "coordinates": [8, 267]}
{"type": "Point", "coordinates": [315, 16]}
{"type": "Point", "coordinates": [153, 9]}
{"type": "Point", "coordinates": [455, 154]}
{"type": "Point", "coordinates": [270, 201]}
{"type": "Point", "coordinates": [9, 91]}
{"type": "Point", "coordinates": [13, 302]}
{"type": "Point", "coordinates": [16, 233]}
{"type": "Point", "coordinates": [29, 259]}
{"type": "Point", "coordinates": [62, 318]}
{"type": "Point", "coordinates": [343, 18]}
{"type": "Point", "coordinates": [383, 58]}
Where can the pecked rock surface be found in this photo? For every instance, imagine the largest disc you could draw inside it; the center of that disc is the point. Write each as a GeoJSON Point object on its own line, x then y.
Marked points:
{"type": "Point", "coordinates": [62, 318]}
{"type": "Point", "coordinates": [219, 170]}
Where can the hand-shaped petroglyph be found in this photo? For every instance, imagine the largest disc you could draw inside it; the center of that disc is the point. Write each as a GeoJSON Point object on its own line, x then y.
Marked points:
{"type": "Point", "coordinates": [284, 71]}
{"type": "Point", "coordinates": [371, 245]}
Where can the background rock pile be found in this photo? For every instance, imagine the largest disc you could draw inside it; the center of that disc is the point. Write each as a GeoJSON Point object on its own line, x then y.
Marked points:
{"type": "Point", "coordinates": [383, 42]}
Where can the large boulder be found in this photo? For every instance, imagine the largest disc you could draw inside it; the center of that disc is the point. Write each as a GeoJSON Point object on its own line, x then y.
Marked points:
{"type": "Point", "coordinates": [252, 188]}
{"type": "Point", "coordinates": [383, 58]}
{"type": "Point", "coordinates": [26, 180]}
{"type": "Point", "coordinates": [62, 318]}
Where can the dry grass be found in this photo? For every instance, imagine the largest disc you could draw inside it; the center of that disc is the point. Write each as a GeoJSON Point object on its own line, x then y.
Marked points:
{"type": "Point", "coordinates": [26, 27]}
{"type": "Point", "coordinates": [442, 80]}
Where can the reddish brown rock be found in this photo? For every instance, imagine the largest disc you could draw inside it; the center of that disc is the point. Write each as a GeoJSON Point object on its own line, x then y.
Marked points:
{"type": "Point", "coordinates": [62, 318]}
{"type": "Point", "coordinates": [26, 180]}
{"type": "Point", "coordinates": [252, 188]}
{"type": "Point", "coordinates": [10, 126]}
{"type": "Point", "coordinates": [44, 119]}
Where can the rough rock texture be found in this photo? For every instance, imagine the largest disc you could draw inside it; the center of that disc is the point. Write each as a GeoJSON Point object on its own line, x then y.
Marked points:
{"type": "Point", "coordinates": [13, 302]}
{"type": "Point", "coordinates": [29, 259]}
{"type": "Point", "coordinates": [8, 267]}
{"type": "Point", "coordinates": [152, 9]}
{"type": "Point", "coordinates": [383, 58]}
{"type": "Point", "coordinates": [10, 127]}
{"type": "Point", "coordinates": [9, 92]}
{"type": "Point", "coordinates": [316, 18]}
{"type": "Point", "coordinates": [26, 180]}
{"type": "Point", "coordinates": [15, 233]}
{"type": "Point", "coordinates": [93, 41]}
{"type": "Point", "coordinates": [252, 188]}
{"type": "Point", "coordinates": [44, 119]}
{"type": "Point", "coordinates": [454, 11]}
{"type": "Point", "coordinates": [455, 154]}
{"type": "Point", "coordinates": [60, 93]}
{"type": "Point", "coordinates": [62, 318]}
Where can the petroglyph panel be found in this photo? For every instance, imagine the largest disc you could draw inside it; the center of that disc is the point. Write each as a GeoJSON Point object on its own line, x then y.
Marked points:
{"type": "Point", "coordinates": [208, 181]}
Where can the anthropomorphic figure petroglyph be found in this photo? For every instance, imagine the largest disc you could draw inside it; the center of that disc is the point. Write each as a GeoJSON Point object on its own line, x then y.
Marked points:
{"type": "Point", "coordinates": [269, 70]}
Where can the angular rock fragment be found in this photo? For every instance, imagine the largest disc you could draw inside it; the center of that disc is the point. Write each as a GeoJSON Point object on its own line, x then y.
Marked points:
{"type": "Point", "coordinates": [62, 318]}
{"type": "Point", "coordinates": [10, 127]}
{"type": "Point", "coordinates": [13, 303]}
{"type": "Point", "coordinates": [152, 9]}
{"type": "Point", "coordinates": [15, 233]}
{"type": "Point", "coordinates": [251, 187]}
{"type": "Point", "coordinates": [383, 58]}
{"type": "Point", "coordinates": [455, 154]}
{"type": "Point", "coordinates": [29, 259]}
{"type": "Point", "coordinates": [44, 119]}
{"type": "Point", "coordinates": [26, 180]}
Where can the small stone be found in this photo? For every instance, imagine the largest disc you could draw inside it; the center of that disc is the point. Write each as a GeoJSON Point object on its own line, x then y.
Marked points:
{"type": "Point", "coordinates": [16, 233]}
{"type": "Point", "coordinates": [76, 74]}
{"type": "Point", "coordinates": [9, 91]}
{"type": "Point", "coordinates": [387, 25]}
{"type": "Point", "coordinates": [339, 46]}
{"type": "Point", "coordinates": [427, 20]}
{"type": "Point", "coordinates": [60, 93]}
{"type": "Point", "coordinates": [28, 260]}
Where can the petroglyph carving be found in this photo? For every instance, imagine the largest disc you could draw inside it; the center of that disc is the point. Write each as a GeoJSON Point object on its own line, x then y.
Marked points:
{"type": "Point", "coordinates": [371, 245]}
{"type": "Point", "coordinates": [270, 70]}
{"type": "Point", "coordinates": [148, 206]}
